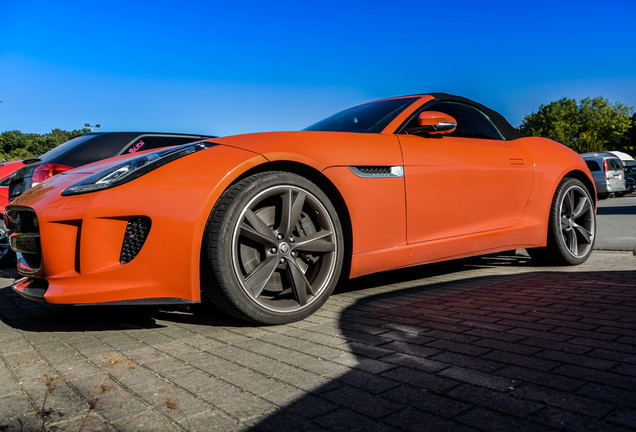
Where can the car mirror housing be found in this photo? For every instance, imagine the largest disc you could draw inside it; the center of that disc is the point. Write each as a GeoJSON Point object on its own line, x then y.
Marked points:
{"type": "Point", "coordinates": [433, 123]}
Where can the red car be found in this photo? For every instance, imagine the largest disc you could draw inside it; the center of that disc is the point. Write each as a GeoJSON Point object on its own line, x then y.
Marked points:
{"type": "Point", "coordinates": [78, 151]}
{"type": "Point", "coordinates": [6, 169]}
{"type": "Point", "coordinates": [266, 224]}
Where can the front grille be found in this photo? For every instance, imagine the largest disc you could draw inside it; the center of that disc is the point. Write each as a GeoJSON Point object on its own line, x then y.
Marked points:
{"type": "Point", "coordinates": [134, 238]}
{"type": "Point", "coordinates": [24, 235]}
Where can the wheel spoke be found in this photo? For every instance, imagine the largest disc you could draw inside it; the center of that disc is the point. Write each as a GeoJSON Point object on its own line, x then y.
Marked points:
{"type": "Point", "coordinates": [569, 201]}
{"type": "Point", "coordinates": [564, 220]}
{"type": "Point", "coordinates": [250, 233]}
{"type": "Point", "coordinates": [291, 211]}
{"type": "Point", "coordinates": [572, 242]}
{"type": "Point", "coordinates": [300, 284]}
{"type": "Point", "coordinates": [256, 281]}
{"type": "Point", "coordinates": [258, 224]}
{"type": "Point", "coordinates": [583, 207]}
{"type": "Point", "coordinates": [316, 242]}
{"type": "Point", "coordinates": [587, 235]}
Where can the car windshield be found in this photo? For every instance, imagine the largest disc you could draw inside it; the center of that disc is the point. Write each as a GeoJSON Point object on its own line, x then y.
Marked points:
{"type": "Point", "coordinates": [368, 118]}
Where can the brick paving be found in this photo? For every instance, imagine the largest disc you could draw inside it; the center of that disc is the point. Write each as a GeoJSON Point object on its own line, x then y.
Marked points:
{"type": "Point", "coordinates": [485, 344]}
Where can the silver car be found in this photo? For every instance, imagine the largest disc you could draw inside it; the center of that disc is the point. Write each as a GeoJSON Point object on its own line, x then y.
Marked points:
{"type": "Point", "coordinates": [608, 173]}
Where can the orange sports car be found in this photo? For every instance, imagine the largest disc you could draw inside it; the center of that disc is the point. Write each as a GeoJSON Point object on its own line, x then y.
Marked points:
{"type": "Point", "coordinates": [266, 224]}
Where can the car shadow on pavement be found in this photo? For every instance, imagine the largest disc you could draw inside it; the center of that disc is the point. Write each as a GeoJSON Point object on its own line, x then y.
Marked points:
{"type": "Point", "coordinates": [617, 210]}
{"type": "Point", "coordinates": [27, 315]}
{"type": "Point", "coordinates": [23, 314]}
{"type": "Point", "coordinates": [540, 350]}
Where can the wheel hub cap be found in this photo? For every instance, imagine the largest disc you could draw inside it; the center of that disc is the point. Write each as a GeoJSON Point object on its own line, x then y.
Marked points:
{"type": "Point", "coordinates": [284, 248]}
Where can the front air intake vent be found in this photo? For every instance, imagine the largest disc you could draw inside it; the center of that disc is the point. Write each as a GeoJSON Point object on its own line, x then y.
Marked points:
{"type": "Point", "coordinates": [134, 238]}
{"type": "Point", "coordinates": [24, 237]}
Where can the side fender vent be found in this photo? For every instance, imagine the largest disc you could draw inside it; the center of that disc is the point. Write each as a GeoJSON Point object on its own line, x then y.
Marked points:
{"type": "Point", "coordinates": [134, 238]}
{"type": "Point", "coordinates": [377, 171]}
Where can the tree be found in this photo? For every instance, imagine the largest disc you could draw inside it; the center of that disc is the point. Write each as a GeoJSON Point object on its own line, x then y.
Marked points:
{"type": "Point", "coordinates": [629, 140]}
{"type": "Point", "coordinates": [589, 126]}
{"type": "Point", "coordinates": [15, 145]}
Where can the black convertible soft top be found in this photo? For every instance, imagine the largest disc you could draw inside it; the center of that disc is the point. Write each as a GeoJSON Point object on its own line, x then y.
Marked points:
{"type": "Point", "coordinates": [506, 129]}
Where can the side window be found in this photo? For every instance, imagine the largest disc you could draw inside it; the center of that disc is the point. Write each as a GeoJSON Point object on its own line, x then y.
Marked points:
{"type": "Point", "coordinates": [592, 165]}
{"type": "Point", "coordinates": [471, 122]}
{"type": "Point", "coordinates": [150, 142]}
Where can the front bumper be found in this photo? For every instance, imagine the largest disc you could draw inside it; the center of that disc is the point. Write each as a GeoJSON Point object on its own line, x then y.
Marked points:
{"type": "Point", "coordinates": [136, 243]}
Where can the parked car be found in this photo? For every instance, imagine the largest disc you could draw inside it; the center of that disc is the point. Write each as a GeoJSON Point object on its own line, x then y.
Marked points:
{"type": "Point", "coordinates": [88, 148]}
{"type": "Point", "coordinates": [81, 150]}
{"type": "Point", "coordinates": [265, 224]}
{"type": "Point", "coordinates": [607, 171]}
{"type": "Point", "coordinates": [624, 157]}
{"type": "Point", "coordinates": [6, 169]}
{"type": "Point", "coordinates": [630, 178]}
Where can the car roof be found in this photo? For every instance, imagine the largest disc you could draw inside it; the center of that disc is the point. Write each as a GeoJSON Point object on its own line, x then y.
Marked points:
{"type": "Point", "coordinates": [622, 156]}
{"type": "Point", "coordinates": [599, 155]}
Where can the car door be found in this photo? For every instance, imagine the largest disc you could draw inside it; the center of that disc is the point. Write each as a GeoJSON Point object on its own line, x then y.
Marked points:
{"type": "Point", "coordinates": [469, 181]}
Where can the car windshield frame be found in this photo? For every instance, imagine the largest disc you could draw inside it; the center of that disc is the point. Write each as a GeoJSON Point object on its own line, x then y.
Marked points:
{"type": "Point", "coordinates": [372, 117]}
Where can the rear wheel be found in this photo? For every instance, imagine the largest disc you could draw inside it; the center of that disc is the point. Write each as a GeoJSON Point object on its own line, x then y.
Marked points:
{"type": "Point", "coordinates": [273, 250]}
{"type": "Point", "coordinates": [571, 227]}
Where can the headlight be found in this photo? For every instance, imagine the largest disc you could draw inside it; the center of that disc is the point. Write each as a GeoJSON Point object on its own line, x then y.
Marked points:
{"type": "Point", "coordinates": [133, 168]}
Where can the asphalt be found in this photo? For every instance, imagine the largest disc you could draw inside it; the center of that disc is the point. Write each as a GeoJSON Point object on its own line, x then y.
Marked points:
{"type": "Point", "coordinates": [485, 344]}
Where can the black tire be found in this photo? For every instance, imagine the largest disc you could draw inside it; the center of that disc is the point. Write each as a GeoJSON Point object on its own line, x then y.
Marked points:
{"type": "Point", "coordinates": [6, 254]}
{"type": "Point", "coordinates": [571, 227]}
{"type": "Point", "coordinates": [273, 249]}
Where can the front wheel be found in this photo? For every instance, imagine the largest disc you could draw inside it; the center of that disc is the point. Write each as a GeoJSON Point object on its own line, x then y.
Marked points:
{"type": "Point", "coordinates": [571, 226]}
{"type": "Point", "coordinates": [273, 249]}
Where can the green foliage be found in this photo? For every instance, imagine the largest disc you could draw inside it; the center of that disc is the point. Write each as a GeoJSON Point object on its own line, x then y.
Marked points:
{"type": "Point", "coordinates": [589, 126]}
{"type": "Point", "coordinates": [15, 145]}
{"type": "Point", "coordinates": [628, 144]}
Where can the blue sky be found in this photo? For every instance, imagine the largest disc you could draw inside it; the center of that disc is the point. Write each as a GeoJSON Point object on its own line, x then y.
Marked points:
{"type": "Point", "coordinates": [225, 68]}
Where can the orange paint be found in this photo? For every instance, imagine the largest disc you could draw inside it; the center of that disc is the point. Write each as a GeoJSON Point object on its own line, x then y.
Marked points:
{"type": "Point", "coordinates": [450, 197]}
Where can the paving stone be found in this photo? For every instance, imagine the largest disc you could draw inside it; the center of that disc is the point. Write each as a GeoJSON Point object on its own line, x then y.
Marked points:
{"type": "Point", "coordinates": [484, 344]}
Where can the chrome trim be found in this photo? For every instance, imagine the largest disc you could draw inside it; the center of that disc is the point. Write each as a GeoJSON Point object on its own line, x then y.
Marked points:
{"type": "Point", "coordinates": [394, 171]}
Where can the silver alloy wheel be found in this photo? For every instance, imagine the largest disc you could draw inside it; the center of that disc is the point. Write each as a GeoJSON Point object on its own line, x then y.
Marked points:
{"type": "Point", "coordinates": [4, 240]}
{"type": "Point", "coordinates": [577, 221]}
{"type": "Point", "coordinates": [284, 251]}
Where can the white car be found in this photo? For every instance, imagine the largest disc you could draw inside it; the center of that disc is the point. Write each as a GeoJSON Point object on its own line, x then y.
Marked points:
{"type": "Point", "coordinates": [608, 173]}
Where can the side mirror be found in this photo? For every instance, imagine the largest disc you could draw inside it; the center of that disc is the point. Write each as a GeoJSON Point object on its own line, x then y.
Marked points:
{"type": "Point", "coordinates": [433, 123]}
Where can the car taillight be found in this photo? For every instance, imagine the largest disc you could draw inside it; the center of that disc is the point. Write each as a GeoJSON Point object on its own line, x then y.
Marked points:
{"type": "Point", "coordinates": [605, 170]}
{"type": "Point", "coordinates": [47, 170]}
